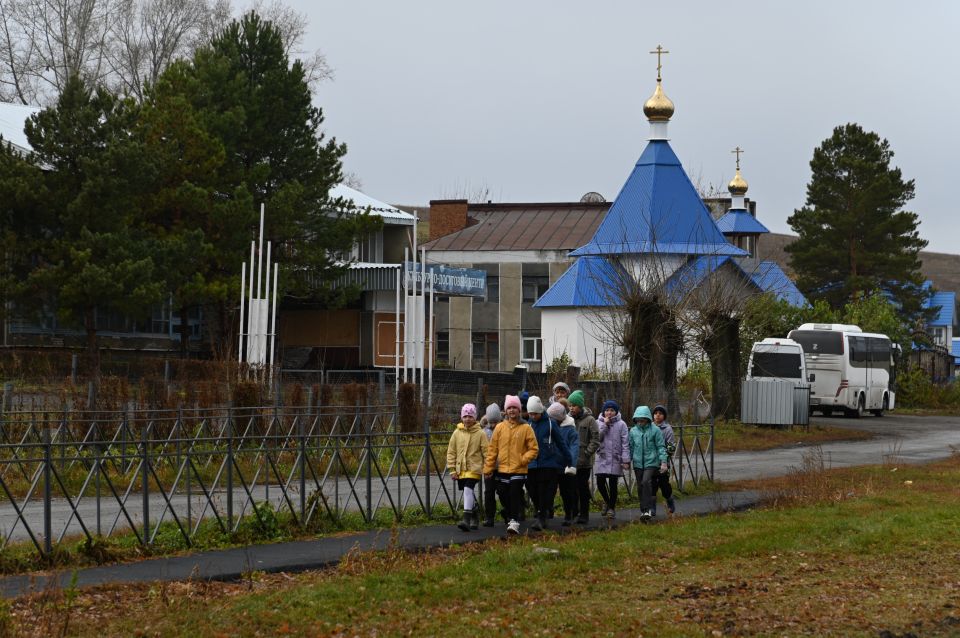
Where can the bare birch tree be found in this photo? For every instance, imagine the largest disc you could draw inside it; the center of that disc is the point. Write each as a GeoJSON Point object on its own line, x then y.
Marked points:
{"type": "Point", "coordinates": [122, 44]}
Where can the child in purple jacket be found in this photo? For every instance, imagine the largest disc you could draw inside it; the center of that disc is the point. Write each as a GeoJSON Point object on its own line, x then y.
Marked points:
{"type": "Point", "coordinates": [612, 457]}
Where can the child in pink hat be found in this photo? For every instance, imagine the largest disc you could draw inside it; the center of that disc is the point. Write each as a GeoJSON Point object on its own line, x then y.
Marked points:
{"type": "Point", "coordinates": [465, 456]}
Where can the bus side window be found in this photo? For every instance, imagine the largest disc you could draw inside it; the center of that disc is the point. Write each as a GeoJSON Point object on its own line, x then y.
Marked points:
{"type": "Point", "coordinates": [857, 350]}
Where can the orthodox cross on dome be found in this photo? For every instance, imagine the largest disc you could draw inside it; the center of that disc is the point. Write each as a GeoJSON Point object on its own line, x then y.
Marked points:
{"type": "Point", "coordinates": [737, 151]}
{"type": "Point", "coordinates": [659, 51]}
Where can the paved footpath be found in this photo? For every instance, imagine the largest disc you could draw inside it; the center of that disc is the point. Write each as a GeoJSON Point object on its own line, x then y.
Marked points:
{"type": "Point", "coordinates": [232, 564]}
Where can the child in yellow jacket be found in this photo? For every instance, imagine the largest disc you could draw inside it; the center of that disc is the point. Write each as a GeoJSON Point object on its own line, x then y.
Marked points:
{"type": "Point", "coordinates": [465, 455]}
{"type": "Point", "coordinates": [512, 447]}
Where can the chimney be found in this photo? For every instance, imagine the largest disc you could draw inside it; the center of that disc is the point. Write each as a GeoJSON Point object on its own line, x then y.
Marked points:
{"type": "Point", "coordinates": [447, 216]}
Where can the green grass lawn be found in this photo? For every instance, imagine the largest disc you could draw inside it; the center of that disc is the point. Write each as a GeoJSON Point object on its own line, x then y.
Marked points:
{"type": "Point", "coordinates": [840, 552]}
{"type": "Point", "coordinates": [733, 436]}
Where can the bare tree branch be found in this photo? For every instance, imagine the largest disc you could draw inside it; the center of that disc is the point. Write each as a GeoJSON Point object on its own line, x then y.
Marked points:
{"type": "Point", "coordinates": [122, 44]}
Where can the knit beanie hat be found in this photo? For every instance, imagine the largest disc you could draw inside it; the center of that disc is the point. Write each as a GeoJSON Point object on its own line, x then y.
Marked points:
{"type": "Point", "coordinates": [610, 403]}
{"type": "Point", "coordinates": [561, 384]}
{"type": "Point", "coordinates": [524, 397]}
{"type": "Point", "coordinates": [468, 409]}
{"type": "Point", "coordinates": [535, 405]}
{"type": "Point", "coordinates": [493, 414]}
{"type": "Point", "coordinates": [660, 408]}
{"type": "Point", "coordinates": [556, 411]}
{"type": "Point", "coordinates": [511, 401]}
{"type": "Point", "coordinates": [576, 398]}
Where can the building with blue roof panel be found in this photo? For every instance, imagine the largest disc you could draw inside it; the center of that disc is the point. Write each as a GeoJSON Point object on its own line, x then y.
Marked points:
{"type": "Point", "coordinates": [955, 351]}
{"type": "Point", "coordinates": [940, 327]}
{"type": "Point", "coordinates": [660, 231]}
{"type": "Point", "coordinates": [659, 211]}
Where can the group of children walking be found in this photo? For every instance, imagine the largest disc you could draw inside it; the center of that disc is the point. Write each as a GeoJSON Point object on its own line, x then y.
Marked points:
{"type": "Point", "coordinates": [542, 449]}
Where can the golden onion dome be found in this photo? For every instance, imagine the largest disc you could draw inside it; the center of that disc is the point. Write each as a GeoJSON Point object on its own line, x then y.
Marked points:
{"type": "Point", "coordinates": [659, 108]}
{"type": "Point", "coordinates": [738, 185]}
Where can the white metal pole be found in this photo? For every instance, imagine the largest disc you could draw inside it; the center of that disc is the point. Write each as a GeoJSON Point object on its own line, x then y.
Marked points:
{"type": "Point", "coordinates": [422, 327]}
{"type": "Point", "coordinates": [273, 320]}
{"type": "Point", "coordinates": [266, 297]}
{"type": "Point", "coordinates": [406, 310]}
{"type": "Point", "coordinates": [396, 342]}
{"type": "Point", "coordinates": [411, 321]}
{"type": "Point", "coordinates": [243, 284]}
{"type": "Point", "coordinates": [250, 307]}
{"type": "Point", "coordinates": [260, 254]}
{"type": "Point", "coordinates": [430, 358]}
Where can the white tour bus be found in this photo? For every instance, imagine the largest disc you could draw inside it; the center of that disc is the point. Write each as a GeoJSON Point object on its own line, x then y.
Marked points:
{"type": "Point", "coordinates": [849, 370]}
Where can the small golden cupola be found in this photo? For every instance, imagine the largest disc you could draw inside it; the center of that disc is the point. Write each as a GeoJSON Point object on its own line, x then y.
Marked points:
{"type": "Point", "coordinates": [738, 186]}
{"type": "Point", "coordinates": [659, 108]}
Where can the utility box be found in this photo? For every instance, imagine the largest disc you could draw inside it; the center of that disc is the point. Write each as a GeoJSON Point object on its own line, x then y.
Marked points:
{"type": "Point", "coordinates": [774, 402]}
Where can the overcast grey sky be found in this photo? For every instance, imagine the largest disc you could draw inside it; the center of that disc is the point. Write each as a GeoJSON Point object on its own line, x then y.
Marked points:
{"type": "Point", "coordinates": [542, 101]}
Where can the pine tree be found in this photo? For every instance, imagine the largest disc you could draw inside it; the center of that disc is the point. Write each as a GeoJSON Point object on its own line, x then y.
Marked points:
{"type": "Point", "coordinates": [88, 253]}
{"type": "Point", "coordinates": [245, 92]}
{"type": "Point", "coordinates": [854, 236]}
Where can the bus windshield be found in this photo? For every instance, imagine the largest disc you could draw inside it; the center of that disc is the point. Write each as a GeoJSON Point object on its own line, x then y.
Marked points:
{"type": "Point", "coordinates": [784, 365]}
{"type": "Point", "coordinates": [818, 341]}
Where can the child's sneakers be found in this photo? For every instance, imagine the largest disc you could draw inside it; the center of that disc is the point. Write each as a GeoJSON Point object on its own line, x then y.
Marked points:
{"type": "Point", "coordinates": [646, 515]}
{"type": "Point", "coordinates": [513, 527]}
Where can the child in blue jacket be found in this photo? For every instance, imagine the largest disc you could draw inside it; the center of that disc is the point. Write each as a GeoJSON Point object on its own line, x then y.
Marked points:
{"type": "Point", "coordinates": [552, 459]}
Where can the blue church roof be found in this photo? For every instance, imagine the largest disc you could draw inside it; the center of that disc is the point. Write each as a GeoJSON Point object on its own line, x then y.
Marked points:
{"type": "Point", "coordinates": [769, 277]}
{"type": "Point", "coordinates": [591, 282]}
{"type": "Point", "coordinates": [740, 222]}
{"type": "Point", "coordinates": [658, 210]}
{"type": "Point", "coordinates": [693, 273]}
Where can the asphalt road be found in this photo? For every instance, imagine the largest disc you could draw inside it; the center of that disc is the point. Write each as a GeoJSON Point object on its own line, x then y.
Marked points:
{"type": "Point", "coordinates": [897, 439]}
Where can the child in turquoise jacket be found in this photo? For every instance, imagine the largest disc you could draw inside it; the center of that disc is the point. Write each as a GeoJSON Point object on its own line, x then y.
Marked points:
{"type": "Point", "coordinates": [649, 457]}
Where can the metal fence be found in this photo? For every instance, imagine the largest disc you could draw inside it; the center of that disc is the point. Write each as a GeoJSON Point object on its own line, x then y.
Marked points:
{"type": "Point", "coordinates": [70, 475]}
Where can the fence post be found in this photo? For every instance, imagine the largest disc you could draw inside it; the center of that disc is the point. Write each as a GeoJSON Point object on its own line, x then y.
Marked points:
{"type": "Point", "coordinates": [302, 444]}
{"type": "Point", "coordinates": [230, 467]}
{"type": "Point", "coordinates": [711, 449]}
{"type": "Point", "coordinates": [369, 445]}
{"type": "Point", "coordinates": [145, 463]}
{"type": "Point", "coordinates": [427, 454]}
{"type": "Point", "coordinates": [382, 383]}
{"type": "Point", "coordinates": [479, 392]}
{"type": "Point", "coordinates": [188, 467]}
{"type": "Point", "coordinates": [47, 495]}
{"type": "Point", "coordinates": [74, 365]}
{"type": "Point", "coordinates": [682, 449]}
{"type": "Point", "coordinates": [5, 405]}
{"type": "Point", "coordinates": [97, 461]}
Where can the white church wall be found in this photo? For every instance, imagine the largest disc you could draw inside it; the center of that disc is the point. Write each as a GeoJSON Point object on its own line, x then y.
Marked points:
{"type": "Point", "coordinates": [650, 269]}
{"type": "Point", "coordinates": [584, 334]}
{"type": "Point", "coordinates": [597, 348]}
{"type": "Point", "coordinates": [558, 331]}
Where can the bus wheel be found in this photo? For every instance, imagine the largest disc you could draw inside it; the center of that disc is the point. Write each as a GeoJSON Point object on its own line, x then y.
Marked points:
{"type": "Point", "coordinates": [858, 412]}
{"type": "Point", "coordinates": [884, 407]}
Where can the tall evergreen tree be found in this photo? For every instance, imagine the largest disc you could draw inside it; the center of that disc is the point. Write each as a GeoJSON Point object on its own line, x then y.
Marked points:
{"type": "Point", "coordinates": [854, 236]}
{"type": "Point", "coordinates": [88, 254]}
{"type": "Point", "coordinates": [245, 92]}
